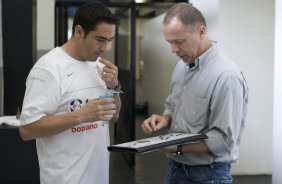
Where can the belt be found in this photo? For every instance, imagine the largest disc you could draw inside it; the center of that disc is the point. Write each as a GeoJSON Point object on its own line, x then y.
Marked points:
{"type": "Point", "coordinates": [211, 165]}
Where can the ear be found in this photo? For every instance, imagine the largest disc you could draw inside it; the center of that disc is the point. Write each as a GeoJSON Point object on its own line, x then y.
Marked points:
{"type": "Point", "coordinates": [202, 31]}
{"type": "Point", "coordinates": [78, 31]}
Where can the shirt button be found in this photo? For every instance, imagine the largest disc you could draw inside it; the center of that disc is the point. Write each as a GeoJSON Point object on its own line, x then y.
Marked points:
{"type": "Point", "coordinates": [175, 126]}
{"type": "Point", "coordinates": [184, 87]}
{"type": "Point", "coordinates": [193, 112]}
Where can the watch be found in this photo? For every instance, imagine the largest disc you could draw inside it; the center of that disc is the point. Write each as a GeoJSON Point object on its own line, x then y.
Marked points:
{"type": "Point", "coordinates": [179, 150]}
{"type": "Point", "coordinates": [116, 89]}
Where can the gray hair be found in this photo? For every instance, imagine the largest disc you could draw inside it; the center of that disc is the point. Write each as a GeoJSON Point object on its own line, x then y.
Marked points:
{"type": "Point", "coordinates": [186, 13]}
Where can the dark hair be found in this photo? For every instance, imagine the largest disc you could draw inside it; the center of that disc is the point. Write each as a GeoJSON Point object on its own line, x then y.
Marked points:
{"type": "Point", "coordinates": [186, 13]}
{"type": "Point", "coordinates": [89, 15]}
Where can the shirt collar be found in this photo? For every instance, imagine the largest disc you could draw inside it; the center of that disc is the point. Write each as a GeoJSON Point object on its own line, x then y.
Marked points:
{"type": "Point", "coordinates": [207, 55]}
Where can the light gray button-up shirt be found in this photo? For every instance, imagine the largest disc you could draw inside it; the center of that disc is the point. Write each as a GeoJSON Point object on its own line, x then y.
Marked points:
{"type": "Point", "coordinates": [210, 97]}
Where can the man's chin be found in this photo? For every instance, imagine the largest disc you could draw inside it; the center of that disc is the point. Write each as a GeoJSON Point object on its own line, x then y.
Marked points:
{"type": "Point", "coordinates": [184, 60]}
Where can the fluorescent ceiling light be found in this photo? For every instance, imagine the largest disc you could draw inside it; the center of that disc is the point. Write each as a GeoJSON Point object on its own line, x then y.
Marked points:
{"type": "Point", "coordinates": [140, 1]}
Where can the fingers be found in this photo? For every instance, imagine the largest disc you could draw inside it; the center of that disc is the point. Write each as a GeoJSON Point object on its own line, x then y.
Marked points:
{"type": "Point", "coordinates": [108, 64]}
{"type": "Point", "coordinates": [110, 73]}
{"type": "Point", "coordinates": [106, 115]}
{"type": "Point", "coordinates": [108, 100]}
{"type": "Point", "coordinates": [106, 112]}
{"type": "Point", "coordinates": [151, 124]}
{"type": "Point", "coordinates": [113, 73]}
{"type": "Point", "coordinates": [105, 105]}
{"type": "Point", "coordinates": [99, 109]}
{"type": "Point", "coordinates": [146, 128]}
{"type": "Point", "coordinates": [109, 69]}
{"type": "Point", "coordinates": [110, 78]}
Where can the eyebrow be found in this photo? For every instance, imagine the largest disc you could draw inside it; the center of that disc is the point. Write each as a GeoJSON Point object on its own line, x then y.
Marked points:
{"type": "Point", "coordinates": [104, 38]}
{"type": "Point", "coordinates": [176, 40]}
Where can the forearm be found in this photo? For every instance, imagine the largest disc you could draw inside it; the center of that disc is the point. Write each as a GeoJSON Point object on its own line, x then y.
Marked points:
{"type": "Point", "coordinates": [49, 125]}
{"type": "Point", "coordinates": [199, 147]}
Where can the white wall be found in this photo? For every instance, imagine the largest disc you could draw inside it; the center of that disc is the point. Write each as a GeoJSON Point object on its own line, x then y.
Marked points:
{"type": "Point", "coordinates": [247, 36]}
{"type": "Point", "coordinates": [210, 10]}
{"type": "Point", "coordinates": [245, 31]}
{"type": "Point", "coordinates": [277, 115]}
{"type": "Point", "coordinates": [45, 24]}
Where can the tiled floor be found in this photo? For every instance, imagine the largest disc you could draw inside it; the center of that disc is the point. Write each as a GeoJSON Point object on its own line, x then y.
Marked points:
{"type": "Point", "coordinates": [150, 168]}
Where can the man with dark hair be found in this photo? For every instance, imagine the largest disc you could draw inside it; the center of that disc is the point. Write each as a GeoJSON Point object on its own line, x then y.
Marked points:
{"type": "Point", "coordinates": [208, 94]}
{"type": "Point", "coordinates": [62, 109]}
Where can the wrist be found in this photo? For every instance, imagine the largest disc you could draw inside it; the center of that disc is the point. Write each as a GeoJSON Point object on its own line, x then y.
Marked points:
{"type": "Point", "coordinates": [116, 89]}
{"type": "Point", "coordinates": [168, 120]}
{"type": "Point", "coordinates": [178, 150]}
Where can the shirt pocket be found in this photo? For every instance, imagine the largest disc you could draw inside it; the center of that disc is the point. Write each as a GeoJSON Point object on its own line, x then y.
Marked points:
{"type": "Point", "coordinates": [198, 111]}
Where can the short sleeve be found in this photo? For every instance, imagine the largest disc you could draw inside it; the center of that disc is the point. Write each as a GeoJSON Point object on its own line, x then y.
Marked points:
{"type": "Point", "coordinates": [41, 95]}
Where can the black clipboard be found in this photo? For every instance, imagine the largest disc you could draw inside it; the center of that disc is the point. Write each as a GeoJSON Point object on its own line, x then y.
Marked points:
{"type": "Point", "coordinates": [157, 142]}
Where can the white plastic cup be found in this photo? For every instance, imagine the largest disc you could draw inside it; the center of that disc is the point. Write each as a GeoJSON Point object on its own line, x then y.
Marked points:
{"type": "Point", "coordinates": [107, 94]}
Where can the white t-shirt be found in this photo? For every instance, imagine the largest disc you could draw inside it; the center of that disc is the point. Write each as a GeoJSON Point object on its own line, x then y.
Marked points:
{"type": "Point", "coordinates": [58, 84]}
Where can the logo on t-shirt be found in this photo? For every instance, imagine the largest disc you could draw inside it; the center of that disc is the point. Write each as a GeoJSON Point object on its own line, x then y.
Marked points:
{"type": "Point", "coordinates": [75, 104]}
{"type": "Point", "coordinates": [99, 71]}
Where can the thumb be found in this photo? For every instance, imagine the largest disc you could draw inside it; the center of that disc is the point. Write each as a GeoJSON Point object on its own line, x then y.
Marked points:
{"type": "Point", "coordinates": [160, 125]}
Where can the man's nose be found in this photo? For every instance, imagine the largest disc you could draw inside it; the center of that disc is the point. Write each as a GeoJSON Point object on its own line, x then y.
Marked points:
{"type": "Point", "coordinates": [104, 46]}
{"type": "Point", "coordinates": [174, 48]}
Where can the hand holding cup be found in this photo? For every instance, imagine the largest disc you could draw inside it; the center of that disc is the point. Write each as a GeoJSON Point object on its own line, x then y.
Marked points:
{"type": "Point", "coordinates": [107, 94]}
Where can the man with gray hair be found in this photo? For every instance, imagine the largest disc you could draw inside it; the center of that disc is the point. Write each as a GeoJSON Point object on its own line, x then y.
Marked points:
{"type": "Point", "coordinates": [208, 94]}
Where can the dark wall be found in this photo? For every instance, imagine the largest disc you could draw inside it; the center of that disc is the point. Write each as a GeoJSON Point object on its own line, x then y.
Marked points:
{"type": "Point", "coordinates": [19, 49]}
{"type": "Point", "coordinates": [18, 159]}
